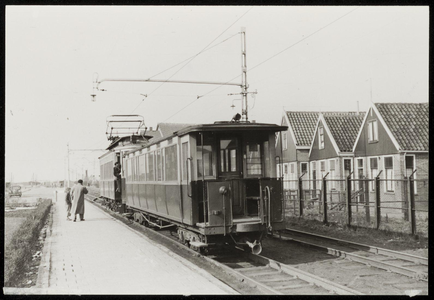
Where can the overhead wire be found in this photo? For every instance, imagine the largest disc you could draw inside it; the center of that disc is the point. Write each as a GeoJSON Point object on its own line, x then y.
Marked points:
{"type": "Point", "coordinates": [203, 50]}
{"type": "Point", "coordinates": [287, 48]}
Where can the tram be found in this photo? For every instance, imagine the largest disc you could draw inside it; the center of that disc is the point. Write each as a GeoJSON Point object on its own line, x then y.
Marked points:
{"type": "Point", "coordinates": [213, 183]}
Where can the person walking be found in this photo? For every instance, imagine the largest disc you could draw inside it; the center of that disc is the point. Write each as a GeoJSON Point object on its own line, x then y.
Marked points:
{"type": "Point", "coordinates": [68, 203]}
{"type": "Point", "coordinates": [77, 197]}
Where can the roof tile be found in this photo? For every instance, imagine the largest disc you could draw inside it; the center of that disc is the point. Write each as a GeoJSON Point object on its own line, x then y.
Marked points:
{"type": "Point", "coordinates": [344, 129]}
{"type": "Point", "coordinates": [409, 124]}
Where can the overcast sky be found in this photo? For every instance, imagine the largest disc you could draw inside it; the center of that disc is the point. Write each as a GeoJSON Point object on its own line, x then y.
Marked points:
{"type": "Point", "coordinates": [298, 58]}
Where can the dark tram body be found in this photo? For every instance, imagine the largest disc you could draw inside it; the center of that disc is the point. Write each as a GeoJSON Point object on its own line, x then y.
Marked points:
{"type": "Point", "coordinates": [216, 182]}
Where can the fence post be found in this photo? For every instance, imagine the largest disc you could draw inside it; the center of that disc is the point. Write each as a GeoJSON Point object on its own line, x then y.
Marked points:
{"type": "Point", "coordinates": [367, 208]}
{"type": "Point", "coordinates": [348, 184]}
{"type": "Point", "coordinates": [377, 202]}
{"type": "Point", "coordinates": [412, 212]}
{"type": "Point", "coordinates": [406, 198]}
{"type": "Point", "coordinates": [324, 198]}
{"type": "Point", "coordinates": [300, 195]}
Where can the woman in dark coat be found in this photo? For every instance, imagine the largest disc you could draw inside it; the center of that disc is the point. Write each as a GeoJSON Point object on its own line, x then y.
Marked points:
{"type": "Point", "coordinates": [68, 203]}
{"type": "Point", "coordinates": [77, 197]}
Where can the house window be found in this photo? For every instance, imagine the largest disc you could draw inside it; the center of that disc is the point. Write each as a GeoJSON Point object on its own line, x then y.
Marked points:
{"type": "Point", "coordinates": [286, 169]}
{"type": "Point", "coordinates": [323, 166]}
{"type": "Point", "coordinates": [284, 140]}
{"type": "Point", "coordinates": [332, 167]}
{"type": "Point", "coordinates": [372, 131]}
{"type": "Point", "coordinates": [303, 167]}
{"type": "Point", "coordinates": [321, 137]}
{"type": "Point", "coordinates": [409, 168]}
{"type": "Point", "coordinates": [388, 166]}
{"type": "Point", "coordinates": [373, 163]}
{"type": "Point", "coordinates": [292, 168]}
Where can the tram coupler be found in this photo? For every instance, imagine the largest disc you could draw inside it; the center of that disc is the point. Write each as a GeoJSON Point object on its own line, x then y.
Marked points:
{"type": "Point", "coordinates": [256, 247]}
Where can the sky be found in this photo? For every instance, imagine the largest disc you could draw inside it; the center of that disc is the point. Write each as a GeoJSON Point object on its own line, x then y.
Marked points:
{"type": "Point", "coordinates": [312, 58]}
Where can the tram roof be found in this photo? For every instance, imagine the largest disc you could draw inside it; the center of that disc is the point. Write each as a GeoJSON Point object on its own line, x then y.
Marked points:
{"type": "Point", "coordinates": [231, 126]}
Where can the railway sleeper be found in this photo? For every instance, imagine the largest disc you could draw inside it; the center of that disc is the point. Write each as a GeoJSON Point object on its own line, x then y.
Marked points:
{"type": "Point", "coordinates": [295, 286]}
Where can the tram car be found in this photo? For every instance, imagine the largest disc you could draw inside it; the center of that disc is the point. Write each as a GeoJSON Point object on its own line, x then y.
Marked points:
{"type": "Point", "coordinates": [215, 183]}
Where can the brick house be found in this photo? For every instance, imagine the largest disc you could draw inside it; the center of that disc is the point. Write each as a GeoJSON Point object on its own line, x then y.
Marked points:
{"type": "Point", "coordinates": [394, 139]}
{"type": "Point", "coordinates": [331, 149]}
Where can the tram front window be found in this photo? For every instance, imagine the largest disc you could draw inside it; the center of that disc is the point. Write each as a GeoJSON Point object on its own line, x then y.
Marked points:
{"type": "Point", "coordinates": [228, 155]}
{"type": "Point", "coordinates": [205, 160]}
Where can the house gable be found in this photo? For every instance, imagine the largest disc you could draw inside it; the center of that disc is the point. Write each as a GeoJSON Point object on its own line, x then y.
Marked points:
{"type": "Point", "coordinates": [383, 146]}
{"type": "Point", "coordinates": [288, 154]}
{"type": "Point", "coordinates": [329, 150]}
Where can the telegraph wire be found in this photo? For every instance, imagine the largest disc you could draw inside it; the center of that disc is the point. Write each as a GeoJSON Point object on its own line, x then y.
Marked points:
{"type": "Point", "coordinates": [287, 48]}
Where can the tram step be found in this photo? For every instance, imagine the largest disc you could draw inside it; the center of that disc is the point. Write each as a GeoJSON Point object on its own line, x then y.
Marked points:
{"type": "Point", "coordinates": [198, 244]}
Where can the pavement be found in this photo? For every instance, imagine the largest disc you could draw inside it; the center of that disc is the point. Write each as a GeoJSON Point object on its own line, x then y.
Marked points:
{"type": "Point", "coordinates": [101, 255]}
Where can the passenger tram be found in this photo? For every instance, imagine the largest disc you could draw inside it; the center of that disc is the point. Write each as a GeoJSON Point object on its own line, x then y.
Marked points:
{"type": "Point", "coordinates": [215, 183]}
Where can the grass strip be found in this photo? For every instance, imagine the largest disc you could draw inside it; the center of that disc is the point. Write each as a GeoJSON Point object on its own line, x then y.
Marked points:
{"type": "Point", "coordinates": [18, 253]}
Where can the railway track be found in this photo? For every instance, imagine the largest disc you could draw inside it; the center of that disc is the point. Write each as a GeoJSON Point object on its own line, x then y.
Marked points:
{"type": "Point", "coordinates": [266, 275]}
{"type": "Point", "coordinates": [392, 261]}
{"type": "Point", "coordinates": [270, 276]}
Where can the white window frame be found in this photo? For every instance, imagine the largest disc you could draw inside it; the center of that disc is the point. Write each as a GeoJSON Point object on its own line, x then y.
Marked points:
{"type": "Point", "coordinates": [284, 140]}
{"type": "Point", "coordinates": [373, 131]}
{"type": "Point", "coordinates": [332, 174]}
{"type": "Point", "coordinates": [321, 137]}
{"type": "Point", "coordinates": [371, 175]}
{"type": "Point", "coordinates": [301, 168]}
{"type": "Point", "coordinates": [414, 175]}
{"type": "Point", "coordinates": [389, 181]}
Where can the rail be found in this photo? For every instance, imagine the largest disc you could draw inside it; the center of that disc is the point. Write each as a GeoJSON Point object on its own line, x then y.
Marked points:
{"type": "Point", "coordinates": [375, 262]}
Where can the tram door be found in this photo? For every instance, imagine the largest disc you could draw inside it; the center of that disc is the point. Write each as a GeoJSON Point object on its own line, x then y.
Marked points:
{"type": "Point", "coordinates": [230, 167]}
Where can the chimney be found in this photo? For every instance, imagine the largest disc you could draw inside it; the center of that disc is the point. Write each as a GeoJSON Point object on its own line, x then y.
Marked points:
{"type": "Point", "coordinates": [150, 128]}
{"type": "Point", "coordinates": [357, 107]}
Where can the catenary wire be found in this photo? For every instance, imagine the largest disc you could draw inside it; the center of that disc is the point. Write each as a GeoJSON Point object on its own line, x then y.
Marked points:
{"type": "Point", "coordinates": [287, 48]}
{"type": "Point", "coordinates": [192, 58]}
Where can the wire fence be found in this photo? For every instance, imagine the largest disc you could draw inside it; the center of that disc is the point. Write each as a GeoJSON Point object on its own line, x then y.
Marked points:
{"type": "Point", "coordinates": [399, 205]}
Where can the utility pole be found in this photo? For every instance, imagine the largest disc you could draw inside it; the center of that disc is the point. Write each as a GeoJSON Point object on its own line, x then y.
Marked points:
{"type": "Point", "coordinates": [244, 84]}
{"type": "Point", "coordinates": [69, 179]}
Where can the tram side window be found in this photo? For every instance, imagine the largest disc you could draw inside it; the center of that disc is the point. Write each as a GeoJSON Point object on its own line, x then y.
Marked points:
{"type": "Point", "coordinates": [267, 164]}
{"type": "Point", "coordinates": [136, 168]}
{"type": "Point", "coordinates": [253, 151]}
{"type": "Point", "coordinates": [159, 161]}
{"type": "Point", "coordinates": [129, 173]}
{"type": "Point", "coordinates": [142, 168]}
{"type": "Point", "coordinates": [171, 163]}
{"type": "Point", "coordinates": [228, 155]}
{"type": "Point", "coordinates": [205, 159]}
{"type": "Point", "coordinates": [150, 173]}
{"type": "Point", "coordinates": [184, 162]}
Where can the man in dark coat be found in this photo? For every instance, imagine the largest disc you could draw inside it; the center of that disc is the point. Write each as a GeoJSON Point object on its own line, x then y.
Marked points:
{"type": "Point", "coordinates": [77, 197]}
{"type": "Point", "coordinates": [117, 174]}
